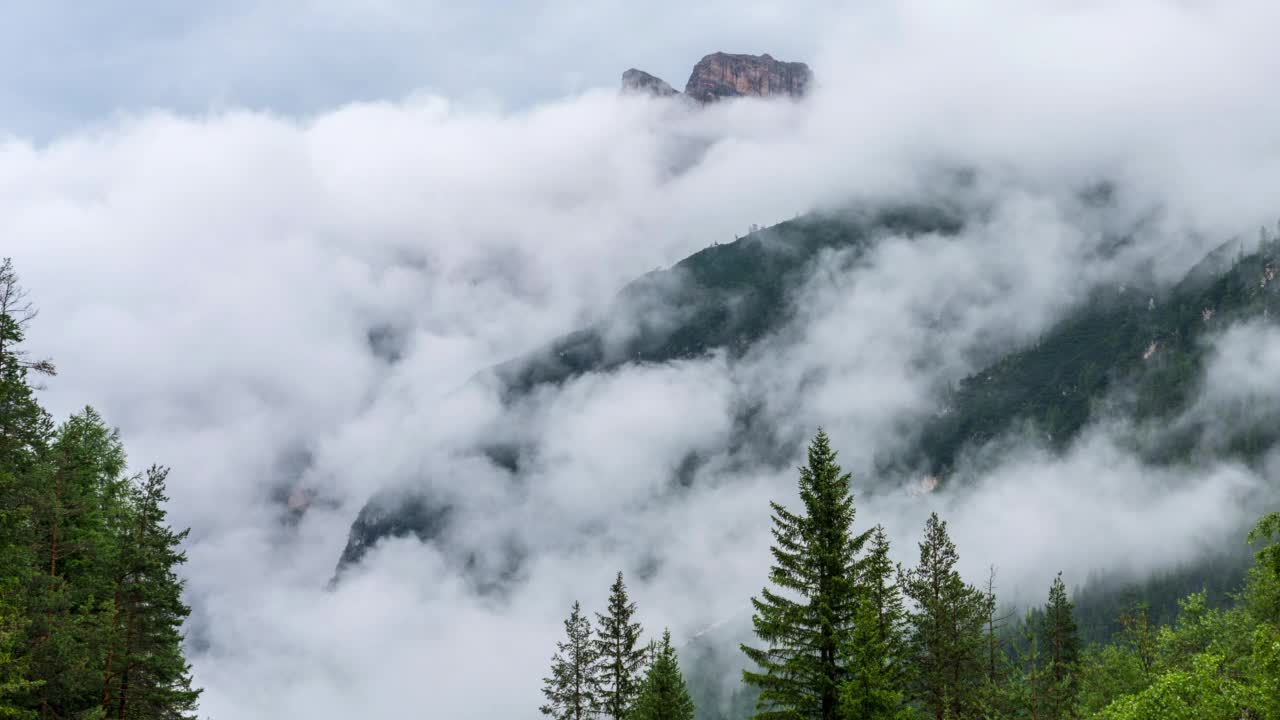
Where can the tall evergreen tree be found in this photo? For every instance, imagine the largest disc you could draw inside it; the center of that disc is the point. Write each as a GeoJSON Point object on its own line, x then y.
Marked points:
{"type": "Point", "coordinates": [24, 426]}
{"type": "Point", "coordinates": [1061, 643]}
{"type": "Point", "coordinates": [663, 693]}
{"type": "Point", "coordinates": [996, 682]}
{"type": "Point", "coordinates": [571, 688]}
{"type": "Point", "coordinates": [1020, 693]}
{"type": "Point", "coordinates": [620, 654]}
{"type": "Point", "coordinates": [946, 629]}
{"type": "Point", "coordinates": [807, 624]}
{"type": "Point", "coordinates": [876, 663]}
{"type": "Point", "coordinates": [75, 496]}
{"type": "Point", "coordinates": [145, 674]}
{"type": "Point", "coordinates": [68, 522]}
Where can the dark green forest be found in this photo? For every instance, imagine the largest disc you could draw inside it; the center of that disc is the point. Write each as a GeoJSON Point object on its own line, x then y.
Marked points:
{"type": "Point", "coordinates": [91, 609]}
{"type": "Point", "coordinates": [843, 633]}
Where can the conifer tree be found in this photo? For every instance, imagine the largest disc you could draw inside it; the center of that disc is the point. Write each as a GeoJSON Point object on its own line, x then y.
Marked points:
{"type": "Point", "coordinates": [1061, 643]}
{"type": "Point", "coordinates": [73, 500]}
{"type": "Point", "coordinates": [571, 688]}
{"type": "Point", "coordinates": [1020, 693]}
{"type": "Point", "coordinates": [946, 629]}
{"type": "Point", "coordinates": [145, 674]}
{"type": "Point", "coordinates": [69, 522]}
{"type": "Point", "coordinates": [876, 662]}
{"type": "Point", "coordinates": [619, 653]}
{"type": "Point", "coordinates": [994, 655]}
{"type": "Point", "coordinates": [663, 693]}
{"type": "Point", "coordinates": [806, 625]}
{"type": "Point", "coordinates": [24, 425]}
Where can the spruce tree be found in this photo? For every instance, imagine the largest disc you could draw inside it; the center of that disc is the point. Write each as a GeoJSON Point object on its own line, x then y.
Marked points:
{"type": "Point", "coordinates": [571, 688]}
{"type": "Point", "coordinates": [74, 499]}
{"type": "Point", "coordinates": [1020, 693]}
{"type": "Point", "coordinates": [875, 657]}
{"type": "Point", "coordinates": [145, 674]}
{"type": "Point", "coordinates": [663, 693]}
{"type": "Point", "coordinates": [620, 655]}
{"type": "Point", "coordinates": [1061, 643]}
{"type": "Point", "coordinates": [946, 629]}
{"type": "Point", "coordinates": [806, 625]}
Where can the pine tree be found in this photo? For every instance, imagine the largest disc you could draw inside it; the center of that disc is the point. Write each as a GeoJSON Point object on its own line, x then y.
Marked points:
{"type": "Point", "coordinates": [997, 675]}
{"type": "Point", "coordinates": [73, 499]}
{"type": "Point", "coordinates": [1020, 693]}
{"type": "Point", "coordinates": [807, 625]}
{"type": "Point", "coordinates": [620, 655]}
{"type": "Point", "coordinates": [145, 673]}
{"type": "Point", "coordinates": [1061, 644]}
{"type": "Point", "coordinates": [24, 426]}
{"type": "Point", "coordinates": [571, 688]}
{"type": "Point", "coordinates": [876, 662]}
{"type": "Point", "coordinates": [946, 629]}
{"type": "Point", "coordinates": [663, 693]}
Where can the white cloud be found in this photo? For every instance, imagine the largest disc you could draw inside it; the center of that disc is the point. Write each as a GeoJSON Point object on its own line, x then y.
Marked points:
{"type": "Point", "coordinates": [209, 282]}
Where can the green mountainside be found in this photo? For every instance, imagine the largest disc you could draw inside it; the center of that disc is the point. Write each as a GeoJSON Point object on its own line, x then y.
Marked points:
{"type": "Point", "coordinates": [1134, 351]}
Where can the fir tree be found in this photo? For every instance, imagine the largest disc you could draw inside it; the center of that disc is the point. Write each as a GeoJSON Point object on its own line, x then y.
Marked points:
{"type": "Point", "coordinates": [876, 662]}
{"type": "Point", "coordinates": [620, 655]}
{"type": "Point", "coordinates": [1061, 645]}
{"type": "Point", "coordinates": [1020, 693]}
{"type": "Point", "coordinates": [145, 674]}
{"type": "Point", "coordinates": [73, 500]}
{"type": "Point", "coordinates": [663, 694]}
{"type": "Point", "coordinates": [571, 688]}
{"type": "Point", "coordinates": [69, 521]}
{"type": "Point", "coordinates": [946, 629]}
{"type": "Point", "coordinates": [807, 624]}
{"type": "Point", "coordinates": [995, 658]}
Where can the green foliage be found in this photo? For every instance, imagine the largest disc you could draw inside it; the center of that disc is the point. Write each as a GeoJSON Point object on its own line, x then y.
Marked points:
{"type": "Point", "coordinates": [723, 297]}
{"type": "Point", "coordinates": [946, 630]}
{"type": "Point", "coordinates": [876, 655]}
{"type": "Point", "coordinates": [1202, 692]}
{"type": "Point", "coordinates": [619, 653]}
{"type": "Point", "coordinates": [1062, 654]}
{"type": "Point", "coordinates": [90, 607]}
{"type": "Point", "coordinates": [807, 624]}
{"type": "Point", "coordinates": [1145, 341]}
{"type": "Point", "coordinates": [571, 688]}
{"type": "Point", "coordinates": [1268, 530]}
{"type": "Point", "coordinates": [663, 694]}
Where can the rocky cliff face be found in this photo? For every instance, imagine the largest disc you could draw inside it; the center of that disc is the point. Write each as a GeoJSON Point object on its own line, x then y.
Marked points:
{"type": "Point", "coordinates": [720, 75]}
{"type": "Point", "coordinates": [639, 81]}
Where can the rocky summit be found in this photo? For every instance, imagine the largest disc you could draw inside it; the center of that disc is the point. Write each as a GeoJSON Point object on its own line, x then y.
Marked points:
{"type": "Point", "coordinates": [721, 75]}
{"type": "Point", "coordinates": [639, 81]}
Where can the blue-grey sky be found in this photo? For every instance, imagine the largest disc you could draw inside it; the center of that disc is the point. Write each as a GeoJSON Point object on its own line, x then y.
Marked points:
{"type": "Point", "coordinates": [67, 64]}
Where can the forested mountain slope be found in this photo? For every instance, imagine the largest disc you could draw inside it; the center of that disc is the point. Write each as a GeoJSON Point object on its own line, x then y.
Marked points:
{"type": "Point", "coordinates": [1135, 351]}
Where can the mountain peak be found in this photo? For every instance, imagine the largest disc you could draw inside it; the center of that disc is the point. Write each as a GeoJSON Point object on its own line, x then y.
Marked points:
{"type": "Point", "coordinates": [639, 81]}
{"type": "Point", "coordinates": [720, 75]}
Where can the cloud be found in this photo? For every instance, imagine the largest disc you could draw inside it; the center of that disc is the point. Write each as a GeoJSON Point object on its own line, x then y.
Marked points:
{"type": "Point", "coordinates": [268, 299]}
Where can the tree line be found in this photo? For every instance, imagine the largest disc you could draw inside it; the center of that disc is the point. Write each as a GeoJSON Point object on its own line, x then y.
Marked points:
{"type": "Point", "coordinates": [844, 633]}
{"type": "Point", "coordinates": [606, 671]}
{"type": "Point", "coordinates": [90, 606]}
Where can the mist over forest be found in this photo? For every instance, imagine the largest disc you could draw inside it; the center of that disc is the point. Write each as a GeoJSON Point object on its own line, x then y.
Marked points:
{"type": "Point", "coordinates": [424, 356]}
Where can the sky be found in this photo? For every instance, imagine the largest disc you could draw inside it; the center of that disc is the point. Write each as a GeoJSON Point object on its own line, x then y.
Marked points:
{"type": "Point", "coordinates": [214, 208]}
{"type": "Point", "coordinates": [66, 66]}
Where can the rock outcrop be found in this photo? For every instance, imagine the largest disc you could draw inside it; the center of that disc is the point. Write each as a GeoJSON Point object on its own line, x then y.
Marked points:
{"type": "Point", "coordinates": [639, 81]}
{"type": "Point", "coordinates": [721, 75]}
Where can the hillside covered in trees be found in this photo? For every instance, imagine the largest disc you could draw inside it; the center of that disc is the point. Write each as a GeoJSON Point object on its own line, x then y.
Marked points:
{"type": "Point", "coordinates": [91, 608]}
{"type": "Point", "coordinates": [845, 634]}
